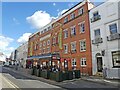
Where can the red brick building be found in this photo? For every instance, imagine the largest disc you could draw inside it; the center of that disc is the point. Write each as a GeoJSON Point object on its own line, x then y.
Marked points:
{"type": "Point", "coordinates": [65, 42]}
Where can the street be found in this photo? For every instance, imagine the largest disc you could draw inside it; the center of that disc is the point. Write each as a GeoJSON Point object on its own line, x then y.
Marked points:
{"type": "Point", "coordinates": [14, 80]}
{"type": "Point", "coordinates": [21, 81]}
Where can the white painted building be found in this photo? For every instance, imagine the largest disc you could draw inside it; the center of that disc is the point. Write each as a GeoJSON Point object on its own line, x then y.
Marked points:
{"type": "Point", "coordinates": [21, 55]}
{"type": "Point", "coordinates": [105, 38]}
{"type": "Point", "coordinates": [2, 57]}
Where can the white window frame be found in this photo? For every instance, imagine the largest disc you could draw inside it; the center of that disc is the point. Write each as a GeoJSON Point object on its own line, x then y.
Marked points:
{"type": "Point", "coordinates": [48, 42]}
{"type": "Point", "coordinates": [81, 46]}
{"type": "Point", "coordinates": [98, 36]}
{"type": "Point", "coordinates": [72, 47]}
{"type": "Point", "coordinates": [44, 43]}
{"type": "Point", "coordinates": [65, 19]}
{"type": "Point", "coordinates": [81, 28]}
{"type": "Point", "coordinates": [73, 28]}
{"type": "Point", "coordinates": [54, 40]}
{"type": "Point", "coordinates": [66, 51]}
{"type": "Point", "coordinates": [72, 16]}
{"type": "Point", "coordinates": [74, 63]}
{"type": "Point", "coordinates": [81, 11]}
{"type": "Point", "coordinates": [83, 60]}
{"type": "Point", "coordinates": [114, 28]}
{"type": "Point", "coordinates": [65, 35]}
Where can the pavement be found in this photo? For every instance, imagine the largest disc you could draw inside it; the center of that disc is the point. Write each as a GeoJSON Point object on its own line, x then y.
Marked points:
{"type": "Point", "coordinates": [83, 82]}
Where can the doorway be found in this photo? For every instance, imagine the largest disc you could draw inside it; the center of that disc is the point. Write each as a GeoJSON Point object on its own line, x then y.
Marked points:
{"type": "Point", "coordinates": [99, 64]}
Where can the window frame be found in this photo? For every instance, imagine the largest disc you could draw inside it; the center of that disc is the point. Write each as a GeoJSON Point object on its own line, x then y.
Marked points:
{"type": "Point", "coordinates": [114, 66]}
{"type": "Point", "coordinates": [83, 62]}
{"type": "Point", "coordinates": [97, 36]}
{"type": "Point", "coordinates": [65, 51]}
{"type": "Point", "coordinates": [73, 30]}
{"type": "Point", "coordinates": [114, 28]}
{"type": "Point", "coordinates": [84, 40]}
{"type": "Point", "coordinates": [75, 46]}
{"type": "Point", "coordinates": [65, 33]}
{"type": "Point", "coordinates": [65, 19]}
{"type": "Point", "coordinates": [81, 24]}
{"type": "Point", "coordinates": [81, 11]}
{"type": "Point", "coordinates": [74, 62]}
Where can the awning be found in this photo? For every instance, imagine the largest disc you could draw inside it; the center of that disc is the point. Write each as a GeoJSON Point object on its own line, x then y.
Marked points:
{"type": "Point", "coordinates": [44, 56]}
{"type": "Point", "coordinates": [40, 56]}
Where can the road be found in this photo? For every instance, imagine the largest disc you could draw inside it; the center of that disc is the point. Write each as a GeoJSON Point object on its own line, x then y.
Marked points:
{"type": "Point", "coordinates": [22, 81]}
{"type": "Point", "coordinates": [18, 81]}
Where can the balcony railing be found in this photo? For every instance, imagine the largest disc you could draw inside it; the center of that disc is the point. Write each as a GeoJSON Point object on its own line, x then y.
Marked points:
{"type": "Point", "coordinates": [95, 18]}
{"type": "Point", "coordinates": [112, 37]}
{"type": "Point", "coordinates": [97, 40]}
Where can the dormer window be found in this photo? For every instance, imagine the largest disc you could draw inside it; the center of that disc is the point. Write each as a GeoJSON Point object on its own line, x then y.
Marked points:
{"type": "Point", "coordinates": [81, 11]}
{"type": "Point", "coordinates": [72, 16]}
{"type": "Point", "coordinates": [66, 19]}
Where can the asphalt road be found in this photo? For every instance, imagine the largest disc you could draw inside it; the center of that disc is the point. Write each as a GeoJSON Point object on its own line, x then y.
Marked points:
{"type": "Point", "coordinates": [22, 81]}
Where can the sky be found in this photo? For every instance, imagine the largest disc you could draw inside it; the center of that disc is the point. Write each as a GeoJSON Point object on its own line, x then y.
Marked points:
{"type": "Point", "coordinates": [21, 19]}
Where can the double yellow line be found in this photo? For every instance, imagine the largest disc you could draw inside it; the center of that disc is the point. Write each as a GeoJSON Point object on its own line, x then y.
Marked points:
{"type": "Point", "coordinates": [10, 83]}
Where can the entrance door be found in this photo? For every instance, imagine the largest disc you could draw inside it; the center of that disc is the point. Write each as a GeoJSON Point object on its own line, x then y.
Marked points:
{"type": "Point", "coordinates": [99, 64]}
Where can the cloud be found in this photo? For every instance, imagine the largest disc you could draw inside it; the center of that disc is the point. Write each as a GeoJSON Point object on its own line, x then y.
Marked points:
{"type": "Point", "coordinates": [24, 38]}
{"type": "Point", "coordinates": [61, 12]}
{"type": "Point", "coordinates": [39, 19]}
{"type": "Point", "coordinates": [54, 4]}
{"type": "Point", "coordinates": [4, 45]}
{"type": "Point", "coordinates": [70, 5]}
{"type": "Point", "coordinates": [16, 21]}
{"type": "Point", "coordinates": [4, 42]}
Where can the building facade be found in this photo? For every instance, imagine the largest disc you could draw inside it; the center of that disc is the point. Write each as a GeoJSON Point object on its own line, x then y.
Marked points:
{"type": "Point", "coordinates": [105, 38]}
{"type": "Point", "coordinates": [21, 54]}
{"type": "Point", "coordinates": [65, 41]}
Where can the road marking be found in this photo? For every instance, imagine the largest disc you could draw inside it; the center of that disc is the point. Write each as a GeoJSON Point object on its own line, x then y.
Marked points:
{"type": "Point", "coordinates": [10, 83]}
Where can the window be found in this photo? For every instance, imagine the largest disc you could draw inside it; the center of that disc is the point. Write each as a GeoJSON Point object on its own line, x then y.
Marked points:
{"type": "Point", "coordinates": [49, 27]}
{"type": "Point", "coordinates": [54, 40]}
{"type": "Point", "coordinates": [45, 30]}
{"type": "Point", "coordinates": [40, 45]}
{"type": "Point", "coordinates": [44, 43]}
{"type": "Point", "coordinates": [35, 46]}
{"type": "Point", "coordinates": [48, 49]}
{"type": "Point", "coordinates": [42, 32]}
{"type": "Point", "coordinates": [80, 11]}
{"type": "Point", "coordinates": [82, 27]}
{"type": "Point", "coordinates": [113, 28]}
{"type": "Point", "coordinates": [73, 46]}
{"type": "Point", "coordinates": [48, 42]}
{"type": "Point", "coordinates": [72, 16]}
{"type": "Point", "coordinates": [73, 31]}
{"type": "Point", "coordinates": [43, 50]}
{"type": "Point", "coordinates": [65, 33]}
{"type": "Point", "coordinates": [116, 58]}
{"type": "Point", "coordinates": [65, 48]}
{"type": "Point", "coordinates": [83, 62]}
{"type": "Point", "coordinates": [66, 19]}
{"type": "Point", "coordinates": [73, 62]}
{"type": "Point", "coordinates": [95, 14]}
{"type": "Point", "coordinates": [82, 45]}
{"type": "Point", "coordinates": [97, 33]}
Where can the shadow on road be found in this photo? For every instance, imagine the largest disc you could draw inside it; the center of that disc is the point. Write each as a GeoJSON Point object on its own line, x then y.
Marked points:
{"type": "Point", "coordinates": [15, 74]}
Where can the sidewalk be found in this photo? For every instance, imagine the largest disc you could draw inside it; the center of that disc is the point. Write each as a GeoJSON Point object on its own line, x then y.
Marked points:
{"type": "Point", "coordinates": [95, 79]}
{"type": "Point", "coordinates": [101, 80]}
